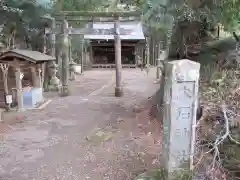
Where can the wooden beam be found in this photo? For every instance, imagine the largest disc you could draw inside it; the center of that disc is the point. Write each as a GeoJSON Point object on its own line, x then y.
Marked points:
{"type": "Point", "coordinates": [74, 18]}
{"type": "Point", "coordinates": [99, 14]}
{"type": "Point", "coordinates": [91, 19]}
{"type": "Point", "coordinates": [112, 44]}
{"type": "Point", "coordinates": [17, 63]}
{"type": "Point", "coordinates": [133, 41]}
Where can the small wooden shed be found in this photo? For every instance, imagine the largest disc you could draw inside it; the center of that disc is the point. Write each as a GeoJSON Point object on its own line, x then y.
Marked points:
{"type": "Point", "coordinates": [21, 71]}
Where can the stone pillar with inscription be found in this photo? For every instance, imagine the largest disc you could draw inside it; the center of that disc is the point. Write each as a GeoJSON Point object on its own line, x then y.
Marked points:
{"type": "Point", "coordinates": [179, 118]}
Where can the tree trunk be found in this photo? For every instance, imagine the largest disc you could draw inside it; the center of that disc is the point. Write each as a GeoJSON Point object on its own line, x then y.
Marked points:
{"type": "Point", "coordinates": [181, 48]}
{"type": "Point", "coordinates": [5, 81]}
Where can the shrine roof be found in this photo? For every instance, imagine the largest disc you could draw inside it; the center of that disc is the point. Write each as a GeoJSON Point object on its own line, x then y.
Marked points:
{"type": "Point", "coordinates": [27, 55]}
{"type": "Point", "coordinates": [131, 30]}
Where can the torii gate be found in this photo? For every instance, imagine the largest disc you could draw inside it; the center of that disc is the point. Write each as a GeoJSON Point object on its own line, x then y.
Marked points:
{"type": "Point", "coordinates": [62, 52]}
{"type": "Point", "coordinates": [65, 16]}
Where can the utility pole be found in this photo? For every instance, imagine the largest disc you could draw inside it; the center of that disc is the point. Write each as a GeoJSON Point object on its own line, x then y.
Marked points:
{"type": "Point", "coordinates": [118, 60]}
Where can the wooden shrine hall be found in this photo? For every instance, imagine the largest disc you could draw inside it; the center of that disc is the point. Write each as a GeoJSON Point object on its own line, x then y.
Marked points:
{"type": "Point", "coordinates": [102, 50]}
{"type": "Point", "coordinates": [21, 77]}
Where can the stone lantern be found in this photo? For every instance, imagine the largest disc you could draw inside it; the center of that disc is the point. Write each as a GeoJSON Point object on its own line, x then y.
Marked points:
{"type": "Point", "coordinates": [1, 47]}
{"type": "Point", "coordinates": [54, 81]}
{"type": "Point", "coordinates": [72, 70]}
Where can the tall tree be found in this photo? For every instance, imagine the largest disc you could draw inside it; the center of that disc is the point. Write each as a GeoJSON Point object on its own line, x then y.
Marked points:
{"type": "Point", "coordinates": [76, 5]}
{"type": "Point", "coordinates": [21, 19]}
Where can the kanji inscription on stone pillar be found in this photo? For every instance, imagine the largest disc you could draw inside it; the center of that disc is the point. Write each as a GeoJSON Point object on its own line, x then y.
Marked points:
{"type": "Point", "coordinates": [180, 107]}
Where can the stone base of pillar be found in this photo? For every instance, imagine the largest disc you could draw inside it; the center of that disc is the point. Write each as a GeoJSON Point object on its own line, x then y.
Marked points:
{"type": "Point", "coordinates": [54, 84]}
{"type": "Point", "coordinates": [20, 109]}
{"type": "Point", "coordinates": [64, 91]}
{"type": "Point", "coordinates": [158, 73]}
{"type": "Point", "coordinates": [1, 114]}
{"type": "Point", "coordinates": [72, 77]}
{"type": "Point", "coordinates": [118, 91]}
{"type": "Point", "coordinates": [52, 89]}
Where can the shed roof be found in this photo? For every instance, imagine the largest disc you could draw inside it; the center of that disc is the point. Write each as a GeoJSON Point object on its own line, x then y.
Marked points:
{"type": "Point", "coordinates": [28, 55]}
{"type": "Point", "coordinates": [131, 30]}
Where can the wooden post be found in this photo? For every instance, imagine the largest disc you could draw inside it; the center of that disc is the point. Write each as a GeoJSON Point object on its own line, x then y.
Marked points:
{"type": "Point", "coordinates": [180, 108]}
{"type": "Point", "coordinates": [46, 74]}
{"type": "Point", "coordinates": [84, 56]}
{"type": "Point", "coordinates": [82, 53]}
{"type": "Point", "coordinates": [158, 60]}
{"type": "Point", "coordinates": [142, 52]}
{"type": "Point", "coordinates": [43, 68]}
{"type": "Point", "coordinates": [156, 53]}
{"type": "Point", "coordinates": [53, 38]}
{"type": "Point", "coordinates": [147, 50]}
{"type": "Point", "coordinates": [70, 48]}
{"type": "Point", "coordinates": [150, 50]}
{"type": "Point", "coordinates": [71, 62]}
{"type": "Point", "coordinates": [90, 61]}
{"type": "Point", "coordinates": [64, 72]}
{"type": "Point", "coordinates": [136, 53]}
{"type": "Point", "coordinates": [35, 77]}
{"type": "Point", "coordinates": [158, 69]}
{"type": "Point", "coordinates": [40, 76]}
{"type": "Point", "coordinates": [19, 88]}
{"type": "Point", "coordinates": [118, 61]}
{"type": "Point", "coordinates": [4, 68]}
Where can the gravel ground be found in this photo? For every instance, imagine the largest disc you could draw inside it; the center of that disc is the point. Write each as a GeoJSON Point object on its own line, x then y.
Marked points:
{"type": "Point", "coordinates": [87, 135]}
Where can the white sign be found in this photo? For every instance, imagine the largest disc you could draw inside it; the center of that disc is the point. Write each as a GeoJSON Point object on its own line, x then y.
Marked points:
{"type": "Point", "coordinates": [9, 99]}
{"type": "Point", "coordinates": [21, 76]}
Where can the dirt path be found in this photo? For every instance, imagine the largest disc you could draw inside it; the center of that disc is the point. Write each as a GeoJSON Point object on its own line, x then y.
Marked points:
{"type": "Point", "coordinates": [88, 135]}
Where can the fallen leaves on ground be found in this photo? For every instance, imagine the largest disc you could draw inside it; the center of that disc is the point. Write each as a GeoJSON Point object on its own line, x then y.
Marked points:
{"type": "Point", "coordinates": [10, 120]}
{"type": "Point", "coordinates": [99, 136]}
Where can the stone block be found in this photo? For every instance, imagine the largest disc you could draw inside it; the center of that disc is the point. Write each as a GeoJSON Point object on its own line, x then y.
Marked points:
{"type": "Point", "coordinates": [180, 108]}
